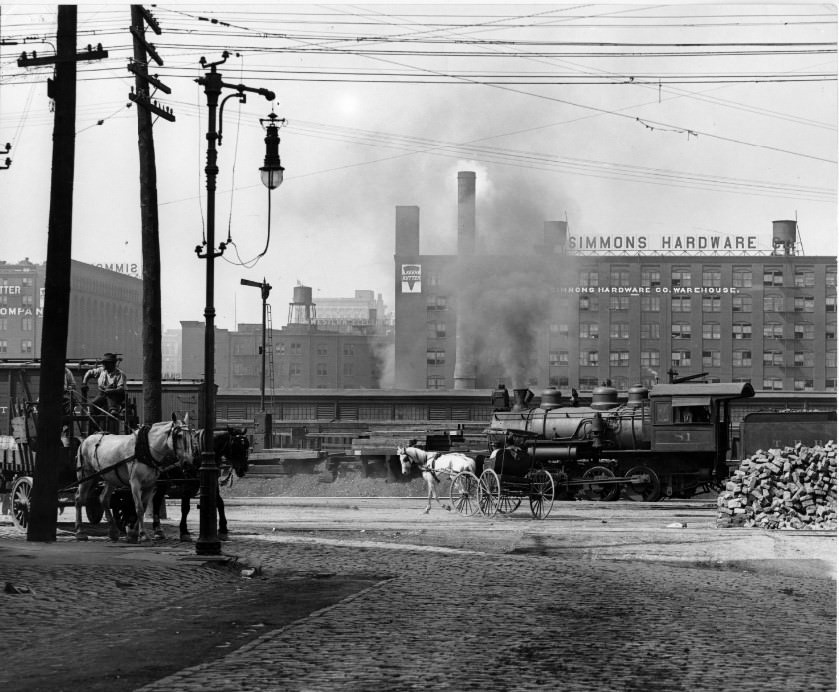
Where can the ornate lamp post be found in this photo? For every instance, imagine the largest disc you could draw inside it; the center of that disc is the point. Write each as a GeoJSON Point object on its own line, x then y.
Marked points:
{"type": "Point", "coordinates": [208, 542]}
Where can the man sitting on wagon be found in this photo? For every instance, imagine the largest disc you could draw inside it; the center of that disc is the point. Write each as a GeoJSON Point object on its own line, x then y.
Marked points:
{"type": "Point", "coordinates": [111, 381]}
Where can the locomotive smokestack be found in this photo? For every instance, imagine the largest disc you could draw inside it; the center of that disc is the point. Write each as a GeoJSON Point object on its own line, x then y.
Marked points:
{"type": "Point", "coordinates": [465, 368]}
{"type": "Point", "coordinates": [465, 213]}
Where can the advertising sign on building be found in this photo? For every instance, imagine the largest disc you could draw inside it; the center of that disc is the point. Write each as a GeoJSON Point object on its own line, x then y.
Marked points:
{"type": "Point", "coordinates": [411, 278]}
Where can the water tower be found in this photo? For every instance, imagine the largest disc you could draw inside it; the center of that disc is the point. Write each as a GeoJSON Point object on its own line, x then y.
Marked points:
{"type": "Point", "coordinates": [784, 235]}
{"type": "Point", "coordinates": [301, 310]}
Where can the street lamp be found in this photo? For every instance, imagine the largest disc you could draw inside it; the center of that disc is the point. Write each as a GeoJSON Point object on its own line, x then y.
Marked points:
{"type": "Point", "coordinates": [272, 172]}
{"type": "Point", "coordinates": [208, 542]}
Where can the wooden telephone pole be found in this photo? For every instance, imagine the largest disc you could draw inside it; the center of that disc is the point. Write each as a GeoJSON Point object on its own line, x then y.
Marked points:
{"type": "Point", "coordinates": [43, 519]}
{"type": "Point", "coordinates": [152, 338]}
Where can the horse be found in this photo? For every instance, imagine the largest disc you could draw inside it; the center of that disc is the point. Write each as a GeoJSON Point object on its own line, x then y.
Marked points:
{"type": "Point", "coordinates": [431, 463]}
{"type": "Point", "coordinates": [230, 445]}
{"type": "Point", "coordinates": [133, 461]}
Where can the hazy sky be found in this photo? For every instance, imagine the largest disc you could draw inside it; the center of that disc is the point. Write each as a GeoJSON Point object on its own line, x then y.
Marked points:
{"type": "Point", "coordinates": [622, 118]}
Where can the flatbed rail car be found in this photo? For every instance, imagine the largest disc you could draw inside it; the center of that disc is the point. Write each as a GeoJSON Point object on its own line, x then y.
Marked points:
{"type": "Point", "coordinates": [669, 441]}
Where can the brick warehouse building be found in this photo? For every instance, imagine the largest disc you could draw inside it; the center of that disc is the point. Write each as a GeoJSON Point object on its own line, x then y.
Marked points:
{"type": "Point", "coordinates": [105, 313]}
{"type": "Point", "coordinates": [573, 311]}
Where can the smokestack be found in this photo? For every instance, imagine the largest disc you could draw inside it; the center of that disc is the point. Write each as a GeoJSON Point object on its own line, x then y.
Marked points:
{"type": "Point", "coordinates": [407, 230]}
{"type": "Point", "coordinates": [465, 369]}
{"type": "Point", "coordinates": [466, 213]}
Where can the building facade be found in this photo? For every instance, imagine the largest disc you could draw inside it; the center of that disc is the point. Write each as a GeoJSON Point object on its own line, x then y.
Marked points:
{"type": "Point", "coordinates": [105, 313]}
{"type": "Point", "coordinates": [350, 350]}
{"type": "Point", "coordinates": [570, 312]}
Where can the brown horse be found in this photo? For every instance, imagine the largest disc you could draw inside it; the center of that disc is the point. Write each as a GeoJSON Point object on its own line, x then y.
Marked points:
{"type": "Point", "coordinates": [132, 461]}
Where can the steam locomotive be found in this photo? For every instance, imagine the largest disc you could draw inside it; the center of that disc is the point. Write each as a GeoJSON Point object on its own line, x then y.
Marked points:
{"type": "Point", "coordinates": [671, 440]}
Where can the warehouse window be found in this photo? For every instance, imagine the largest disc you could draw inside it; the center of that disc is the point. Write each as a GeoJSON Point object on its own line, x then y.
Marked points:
{"type": "Point", "coordinates": [805, 277]}
{"type": "Point", "coordinates": [773, 358]}
{"type": "Point", "coordinates": [741, 303]}
{"type": "Point", "coordinates": [435, 356]}
{"type": "Point", "coordinates": [556, 358]}
{"type": "Point", "coordinates": [773, 383]}
{"type": "Point", "coordinates": [322, 370]}
{"type": "Point", "coordinates": [651, 303]}
{"type": "Point", "coordinates": [804, 359]}
{"type": "Point", "coordinates": [619, 276]}
{"type": "Point", "coordinates": [711, 277]}
{"type": "Point", "coordinates": [589, 278]}
{"type": "Point", "coordinates": [680, 358]}
{"type": "Point", "coordinates": [680, 331]}
{"type": "Point", "coordinates": [830, 276]}
{"type": "Point", "coordinates": [589, 330]}
{"type": "Point", "coordinates": [435, 382]}
{"type": "Point", "coordinates": [618, 303]}
{"type": "Point", "coordinates": [830, 384]}
{"type": "Point", "coordinates": [830, 331]}
{"type": "Point", "coordinates": [804, 331]}
{"type": "Point", "coordinates": [830, 304]}
{"type": "Point", "coordinates": [711, 330]}
{"type": "Point", "coordinates": [650, 276]}
{"type": "Point", "coordinates": [619, 330]}
{"type": "Point", "coordinates": [773, 303]}
{"type": "Point", "coordinates": [804, 303]}
{"type": "Point", "coordinates": [711, 303]}
{"type": "Point", "coordinates": [803, 385]}
{"type": "Point", "coordinates": [741, 359]}
{"type": "Point", "coordinates": [650, 359]}
{"type": "Point", "coordinates": [4, 346]}
{"type": "Point", "coordinates": [773, 276]}
{"type": "Point", "coordinates": [680, 304]}
{"type": "Point", "coordinates": [322, 350]}
{"type": "Point", "coordinates": [436, 330]}
{"type": "Point", "coordinates": [588, 303]}
{"type": "Point", "coordinates": [742, 277]}
{"type": "Point", "coordinates": [589, 358]}
{"type": "Point", "coordinates": [680, 276]}
{"type": "Point", "coordinates": [710, 359]}
{"type": "Point", "coordinates": [650, 330]}
{"type": "Point", "coordinates": [619, 358]}
{"type": "Point", "coordinates": [773, 330]}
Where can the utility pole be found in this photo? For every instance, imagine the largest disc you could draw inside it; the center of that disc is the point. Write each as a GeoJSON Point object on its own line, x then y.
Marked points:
{"type": "Point", "coordinates": [152, 337]}
{"type": "Point", "coordinates": [51, 453]}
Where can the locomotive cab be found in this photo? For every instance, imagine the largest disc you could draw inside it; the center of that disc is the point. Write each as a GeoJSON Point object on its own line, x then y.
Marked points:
{"type": "Point", "coordinates": [694, 419]}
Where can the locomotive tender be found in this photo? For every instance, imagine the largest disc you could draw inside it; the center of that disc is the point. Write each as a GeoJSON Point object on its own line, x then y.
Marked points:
{"type": "Point", "coordinates": [667, 441]}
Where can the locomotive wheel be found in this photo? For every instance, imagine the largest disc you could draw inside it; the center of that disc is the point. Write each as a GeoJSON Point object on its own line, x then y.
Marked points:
{"type": "Point", "coordinates": [93, 509]}
{"type": "Point", "coordinates": [604, 492]}
{"type": "Point", "coordinates": [464, 493]}
{"type": "Point", "coordinates": [508, 504]}
{"type": "Point", "coordinates": [542, 490]}
{"type": "Point", "coordinates": [489, 493]}
{"type": "Point", "coordinates": [21, 496]}
{"type": "Point", "coordinates": [648, 490]}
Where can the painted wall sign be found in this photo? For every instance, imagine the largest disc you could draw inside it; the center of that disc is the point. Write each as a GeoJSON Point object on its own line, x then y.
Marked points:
{"type": "Point", "coordinates": [411, 278]}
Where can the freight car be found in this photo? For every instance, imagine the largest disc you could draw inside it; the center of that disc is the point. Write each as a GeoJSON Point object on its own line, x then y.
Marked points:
{"type": "Point", "coordinates": [785, 428]}
{"type": "Point", "coordinates": [671, 440]}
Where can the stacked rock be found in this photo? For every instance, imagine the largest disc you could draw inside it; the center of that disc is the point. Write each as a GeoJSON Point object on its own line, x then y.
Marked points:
{"type": "Point", "coordinates": [790, 488]}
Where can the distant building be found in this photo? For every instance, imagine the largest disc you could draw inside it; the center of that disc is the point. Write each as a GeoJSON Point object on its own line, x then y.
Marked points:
{"type": "Point", "coordinates": [171, 353]}
{"type": "Point", "coordinates": [350, 349]}
{"type": "Point", "coordinates": [105, 313]}
{"type": "Point", "coordinates": [577, 311]}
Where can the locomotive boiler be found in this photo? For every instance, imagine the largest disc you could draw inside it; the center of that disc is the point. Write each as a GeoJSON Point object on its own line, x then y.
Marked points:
{"type": "Point", "coordinates": [670, 440]}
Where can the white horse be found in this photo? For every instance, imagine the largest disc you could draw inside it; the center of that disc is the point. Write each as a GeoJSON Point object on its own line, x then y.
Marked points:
{"type": "Point", "coordinates": [134, 461]}
{"type": "Point", "coordinates": [432, 463]}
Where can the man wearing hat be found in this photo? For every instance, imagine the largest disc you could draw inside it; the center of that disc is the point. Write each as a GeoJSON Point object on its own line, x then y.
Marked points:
{"type": "Point", "coordinates": [111, 381]}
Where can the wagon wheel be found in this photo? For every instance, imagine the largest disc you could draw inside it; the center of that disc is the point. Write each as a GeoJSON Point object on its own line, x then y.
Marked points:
{"type": "Point", "coordinates": [94, 509]}
{"type": "Point", "coordinates": [645, 488]}
{"type": "Point", "coordinates": [508, 504]}
{"type": "Point", "coordinates": [541, 493]}
{"type": "Point", "coordinates": [489, 493]}
{"type": "Point", "coordinates": [21, 497]}
{"type": "Point", "coordinates": [464, 493]}
{"type": "Point", "coordinates": [599, 491]}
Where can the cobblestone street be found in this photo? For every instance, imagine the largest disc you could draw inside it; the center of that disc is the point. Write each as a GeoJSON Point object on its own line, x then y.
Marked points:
{"type": "Point", "coordinates": [389, 615]}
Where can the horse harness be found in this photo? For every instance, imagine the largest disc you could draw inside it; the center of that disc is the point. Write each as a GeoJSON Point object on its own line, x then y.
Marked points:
{"type": "Point", "coordinates": [142, 453]}
{"type": "Point", "coordinates": [431, 457]}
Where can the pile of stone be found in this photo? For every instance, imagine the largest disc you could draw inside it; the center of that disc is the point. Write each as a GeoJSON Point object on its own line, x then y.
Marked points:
{"type": "Point", "coordinates": [790, 488]}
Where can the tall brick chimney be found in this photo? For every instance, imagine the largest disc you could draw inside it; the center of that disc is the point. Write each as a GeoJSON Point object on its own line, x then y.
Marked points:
{"type": "Point", "coordinates": [465, 368]}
